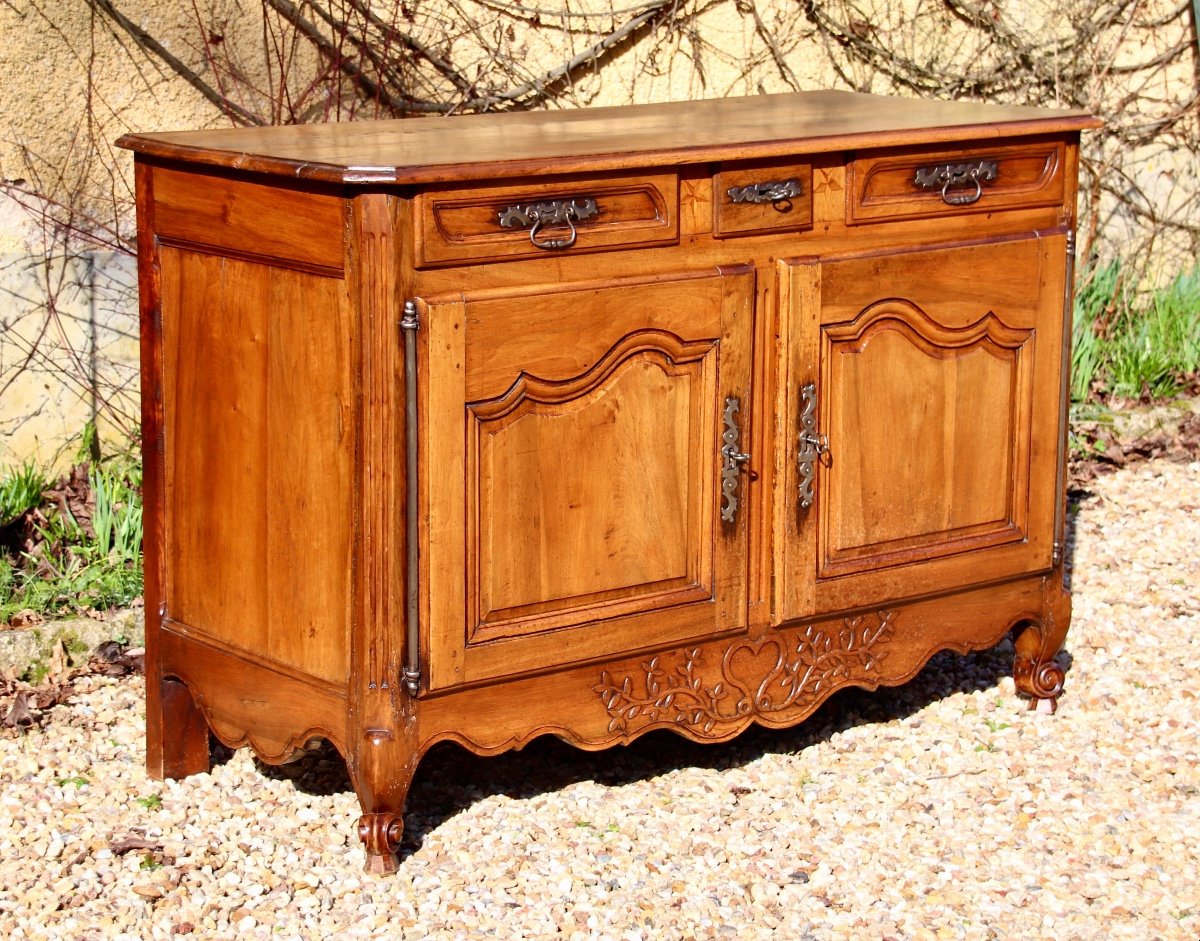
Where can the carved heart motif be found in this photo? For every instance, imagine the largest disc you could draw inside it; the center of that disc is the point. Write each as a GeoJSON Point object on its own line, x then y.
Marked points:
{"type": "Point", "coordinates": [750, 667]}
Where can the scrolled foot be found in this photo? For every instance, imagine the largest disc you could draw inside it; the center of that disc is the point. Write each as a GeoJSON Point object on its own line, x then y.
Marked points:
{"type": "Point", "coordinates": [381, 834]}
{"type": "Point", "coordinates": [1041, 682]}
{"type": "Point", "coordinates": [1034, 671]}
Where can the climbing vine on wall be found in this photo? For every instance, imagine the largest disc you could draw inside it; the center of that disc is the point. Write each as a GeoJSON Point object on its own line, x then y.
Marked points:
{"type": "Point", "coordinates": [1134, 62]}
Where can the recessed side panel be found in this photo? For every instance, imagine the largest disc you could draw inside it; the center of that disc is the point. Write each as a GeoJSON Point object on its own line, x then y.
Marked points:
{"type": "Point", "coordinates": [258, 456]}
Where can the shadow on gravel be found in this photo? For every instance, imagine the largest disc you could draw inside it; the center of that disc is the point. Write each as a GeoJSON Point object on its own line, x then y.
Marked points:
{"type": "Point", "coordinates": [450, 779]}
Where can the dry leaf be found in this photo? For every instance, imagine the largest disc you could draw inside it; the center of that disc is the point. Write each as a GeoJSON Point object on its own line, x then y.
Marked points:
{"type": "Point", "coordinates": [20, 713]}
{"type": "Point", "coordinates": [110, 651]}
{"type": "Point", "coordinates": [60, 663]}
{"type": "Point", "coordinates": [26, 618]}
{"type": "Point", "coordinates": [131, 842]}
{"type": "Point", "coordinates": [113, 659]}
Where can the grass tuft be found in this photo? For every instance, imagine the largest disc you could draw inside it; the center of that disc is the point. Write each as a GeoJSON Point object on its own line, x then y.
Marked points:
{"type": "Point", "coordinates": [1127, 347]}
{"type": "Point", "coordinates": [20, 491]}
{"type": "Point", "coordinates": [53, 563]}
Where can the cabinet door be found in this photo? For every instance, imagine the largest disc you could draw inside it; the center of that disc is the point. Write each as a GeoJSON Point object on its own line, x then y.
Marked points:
{"type": "Point", "coordinates": [934, 380]}
{"type": "Point", "coordinates": [572, 470]}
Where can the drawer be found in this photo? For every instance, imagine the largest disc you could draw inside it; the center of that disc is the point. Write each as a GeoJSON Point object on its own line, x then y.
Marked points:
{"type": "Point", "coordinates": [546, 217]}
{"type": "Point", "coordinates": [761, 197]}
{"type": "Point", "coordinates": [936, 181]}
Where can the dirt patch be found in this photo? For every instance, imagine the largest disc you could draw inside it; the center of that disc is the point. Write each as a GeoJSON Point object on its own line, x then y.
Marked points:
{"type": "Point", "coordinates": [1120, 438]}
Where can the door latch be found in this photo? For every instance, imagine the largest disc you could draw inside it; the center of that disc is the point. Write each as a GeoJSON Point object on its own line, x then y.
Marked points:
{"type": "Point", "coordinates": [813, 446]}
{"type": "Point", "coordinates": [732, 460]}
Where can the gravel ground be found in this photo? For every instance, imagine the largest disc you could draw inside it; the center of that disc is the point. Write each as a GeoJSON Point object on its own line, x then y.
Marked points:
{"type": "Point", "coordinates": [942, 809]}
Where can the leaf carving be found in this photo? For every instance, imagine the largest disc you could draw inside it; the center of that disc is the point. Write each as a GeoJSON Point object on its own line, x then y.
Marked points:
{"type": "Point", "coordinates": [811, 662]}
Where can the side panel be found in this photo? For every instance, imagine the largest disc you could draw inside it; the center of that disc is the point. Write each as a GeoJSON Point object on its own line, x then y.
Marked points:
{"type": "Point", "coordinates": [258, 458]}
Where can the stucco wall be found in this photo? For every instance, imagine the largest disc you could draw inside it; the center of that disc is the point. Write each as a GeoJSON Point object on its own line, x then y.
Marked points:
{"type": "Point", "coordinates": [67, 315]}
{"type": "Point", "coordinates": [73, 81]}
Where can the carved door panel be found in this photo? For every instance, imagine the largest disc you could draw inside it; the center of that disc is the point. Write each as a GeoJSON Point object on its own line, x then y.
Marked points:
{"type": "Point", "coordinates": [573, 488]}
{"type": "Point", "coordinates": [914, 382]}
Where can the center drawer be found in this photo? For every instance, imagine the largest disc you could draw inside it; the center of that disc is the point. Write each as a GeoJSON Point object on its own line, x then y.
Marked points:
{"type": "Point", "coordinates": [754, 197]}
{"type": "Point", "coordinates": [564, 215]}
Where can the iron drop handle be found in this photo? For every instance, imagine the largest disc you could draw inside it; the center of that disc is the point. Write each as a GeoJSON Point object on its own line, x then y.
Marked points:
{"type": "Point", "coordinates": [551, 212]}
{"type": "Point", "coordinates": [732, 460]}
{"type": "Point", "coordinates": [766, 192]}
{"type": "Point", "coordinates": [951, 175]}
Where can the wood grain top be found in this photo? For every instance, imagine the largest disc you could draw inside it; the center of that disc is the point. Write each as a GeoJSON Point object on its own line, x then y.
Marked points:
{"type": "Point", "coordinates": [489, 146]}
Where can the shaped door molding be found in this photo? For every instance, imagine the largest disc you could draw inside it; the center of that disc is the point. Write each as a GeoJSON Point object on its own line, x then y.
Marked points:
{"type": "Point", "coordinates": [507, 509]}
{"type": "Point", "coordinates": [572, 497]}
{"type": "Point", "coordinates": [930, 381]}
{"type": "Point", "coordinates": [975, 382]}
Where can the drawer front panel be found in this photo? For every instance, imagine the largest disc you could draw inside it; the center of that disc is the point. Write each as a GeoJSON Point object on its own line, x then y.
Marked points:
{"type": "Point", "coordinates": [920, 183]}
{"type": "Point", "coordinates": [762, 197]}
{"type": "Point", "coordinates": [563, 216]}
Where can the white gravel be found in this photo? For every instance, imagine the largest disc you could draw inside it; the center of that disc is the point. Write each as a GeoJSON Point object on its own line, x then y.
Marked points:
{"type": "Point", "coordinates": [942, 809]}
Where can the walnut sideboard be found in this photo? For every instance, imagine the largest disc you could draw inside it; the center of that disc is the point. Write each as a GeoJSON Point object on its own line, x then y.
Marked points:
{"type": "Point", "coordinates": [595, 422]}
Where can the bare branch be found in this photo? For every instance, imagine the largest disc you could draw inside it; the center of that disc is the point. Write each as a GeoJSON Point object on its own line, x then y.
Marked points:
{"type": "Point", "coordinates": [150, 44]}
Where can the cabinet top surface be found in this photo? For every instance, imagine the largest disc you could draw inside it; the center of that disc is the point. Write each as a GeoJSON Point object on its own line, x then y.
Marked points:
{"type": "Point", "coordinates": [487, 146]}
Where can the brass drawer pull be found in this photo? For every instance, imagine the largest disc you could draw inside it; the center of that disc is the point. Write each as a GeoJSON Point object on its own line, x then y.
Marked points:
{"type": "Point", "coordinates": [950, 177]}
{"type": "Point", "coordinates": [813, 445]}
{"type": "Point", "coordinates": [552, 212]}
{"type": "Point", "coordinates": [773, 192]}
{"type": "Point", "coordinates": [731, 462]}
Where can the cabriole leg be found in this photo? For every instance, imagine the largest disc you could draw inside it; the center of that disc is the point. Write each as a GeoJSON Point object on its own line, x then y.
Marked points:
{"type": "Point", "coordinates": [1034, 670]}
{"type": "Point", "coordinates": [1037, 640]}
{"type": "Point", "coordinates": [382, 774]}
{"type": "Point", "coordinates": [380, 834]}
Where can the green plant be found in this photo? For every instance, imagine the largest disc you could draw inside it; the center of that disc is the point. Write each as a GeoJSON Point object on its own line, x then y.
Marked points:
{"type": "Point", "coordinates": [153, 802]}
{"type": "Point", "coordinates": [78, 780]}
{"type": "Point", "coordinates": [1097, 296]}
{"type": "Point", "coordinates": [117, 519]}
{"type": "Point", "coordinates": [1176, 314]}
{"type": "Point", "coordinates": [1138, 367]}
{"type": "Point", "coordinates": [91, 562]}
{"type": "Point", "coordinates": [8, 575]}
{"type": "Point", "coordinates": [1128, 347]}
{"type": "Point", "coordinates": [20, 490]}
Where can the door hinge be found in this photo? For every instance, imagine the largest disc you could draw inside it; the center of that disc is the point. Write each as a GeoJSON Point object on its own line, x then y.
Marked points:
{"type": "Point", "coordinates": [1064, 403]}
{"type": "Point", "coordinates": [410, 320]}
{"type": "Point", "coordinates": [411, 674]}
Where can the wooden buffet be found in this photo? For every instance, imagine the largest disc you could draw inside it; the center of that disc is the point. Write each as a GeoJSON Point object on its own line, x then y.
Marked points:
{"type": "Point", "coordinates": [595, 422]}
